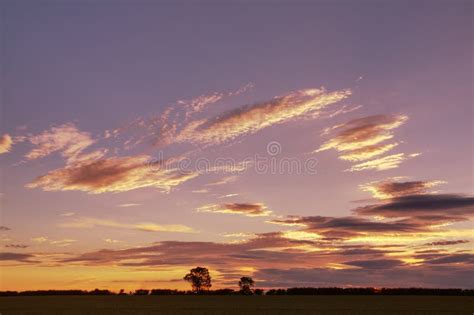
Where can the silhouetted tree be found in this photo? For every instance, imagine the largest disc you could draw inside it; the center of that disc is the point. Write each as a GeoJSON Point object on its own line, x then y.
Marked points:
{"type": "Point", "coordinates": [199, 278]}
{"type": "Point", "coordinates": [246, 284]}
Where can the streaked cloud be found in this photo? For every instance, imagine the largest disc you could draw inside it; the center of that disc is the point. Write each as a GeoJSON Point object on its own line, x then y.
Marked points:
{"type": "Point", "coordinates": [247, 209]}
{"type": "Point", "coordinates": [67, 214]}
{"type": "Point", "coordinates": [39, 239]}
{"type": "Point", "coordinates": [59, 242]}
{"type": "Point", "coordinates": [252, 118]}
{"type": "Point", "coordinates": [163, 129]}
{"type": "Point", "coordinates": [228, 196]}
{"type": "Point", "coordinates": [363, 132]}
{"type": "Point", "coordinates": [5, 143]}
{"type": "Point", "coordinates": [66, 139]}
{"type": "Point", "coordinates": [376, 263]}
{"type": "Point", "coordinates": [429, 207]}
{"type": "Point", "coordinates": [223, 181]}
{"type": "Point", "coordinates": [128, 205]}
{"type": "Point", "coordinates": [16, 257]}
{"type": "Point", "coordinates": [17, 246]}
{"type": "Point", "coordinates": [360, 140]}
{"type": "Point", "coordinates": [447, 243]}
{"type": "Point", "coordinates": [348, 227]}
{"type": "Point", "coordinates": [391, 187]}
{"type": "Point", "coordinates": [367, 152]}
{"type": "Point", "coordinates": [62, 242]}
{"type": "Point", "coordinates": [112, 241]}
{"type": "Point", "coordinates": [4, 228]}
{"type": "Point", "coordinates": [87, 223]}
{"type": "Point", "coordinates": [384, 163]}
{"type": "Point", "coordinates": [347, 264]}
{"type": "Point", "coordinates": [115, 174]}
{"type": "Point", "coordinates": [198, 104]}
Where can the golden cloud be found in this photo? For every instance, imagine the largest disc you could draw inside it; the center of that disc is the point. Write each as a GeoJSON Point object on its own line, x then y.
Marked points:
{"type": "Point", "coordinates": [250, 119]}
{"type": "Point", "coordinates": [361, 140]}
{"type": "Point", "coordinates": [383, 163]}
{"type": "Point", "coordinates": [247, 209]}
{"type": "Point", "coordinates": [367, 152]}
{"type": "Point", "coordinates": [391, 188]}
{"type": "Point", "coordinates": [115, 174]}
{"type": "Point", "coordinates": [363, 132]}
{"type": "Point", "coordinates": [65, 138]}
{"type": "Point", "coordinates": [85, 223]}
{"type": "Point", "coordinates": [5, 143]}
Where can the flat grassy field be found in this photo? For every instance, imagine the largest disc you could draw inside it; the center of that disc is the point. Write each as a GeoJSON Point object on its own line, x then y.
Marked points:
{"type": "Point", "coordinates": [92, 305]}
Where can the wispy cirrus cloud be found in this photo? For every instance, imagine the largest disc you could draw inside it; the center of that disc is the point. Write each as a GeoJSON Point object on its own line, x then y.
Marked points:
{"type": "Point", "coordinates": [115, 174]}
{"type": "Point", "coordinates": [67, 214]}
{"type": "Point", "coordinates": [447, 243]}
{"type": "Point", "coordinates": [363, 132]}
{"type": "Point", "coordinates": [250, 119]}
{"type": "Point", "coordinates": [39, 239]}
{"type": "Point", "coordinates": [161, 130]}
{"type": "Point", "coordinates": [17, 246]}
{"type": "Point", "coordinates": [6, 143]}
{"type": "Point", "coordinates": [348, 227]}
{"type": "Point", "coordinates": [87, 223]}
{"type": "Point", "coordinates": [19, 257]}
{"type": "Point", "coordinates": [247, 209]}
{"type": "Point", "coordinates": [361, 140]}
{"type": "Point", "coordinates": [62, 242]}
{"type": "Point", "coordinates": [393, 187]}
{"type": "Point", "coordinates": [430, 207]}
{"type": "Point", "coordinates": [58, 242]}
{"type": "Point", "coordinates": [384, 163]}
{"type": "Point", "coordinates": [128, 205]}
{"type": "Point", "coordinates": [66, 139]}
{"type": "Point", "coordinates": [222, 181]}
{"type": "Point", "coordinates": [367, 152]}
{"type": "Point", "coordinates": [198, 104]}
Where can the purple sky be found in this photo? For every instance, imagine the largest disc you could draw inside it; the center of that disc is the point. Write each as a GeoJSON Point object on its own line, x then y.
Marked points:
{"type": "Point", "coordinates": [91, 93]}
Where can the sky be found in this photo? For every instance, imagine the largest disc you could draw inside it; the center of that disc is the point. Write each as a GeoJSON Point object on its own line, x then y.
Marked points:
{"type": "Point", "coordinates": [306, 143]}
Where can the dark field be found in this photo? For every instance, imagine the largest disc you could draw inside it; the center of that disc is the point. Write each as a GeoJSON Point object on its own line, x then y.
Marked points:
{"type": "Point", "coordinates": [92, 305]}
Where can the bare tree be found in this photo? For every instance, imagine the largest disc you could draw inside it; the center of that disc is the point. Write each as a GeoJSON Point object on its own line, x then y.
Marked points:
{"type": "Point", "coordinates": [199, 278]}
{"type": "Point", "coordinates": [246, 284]}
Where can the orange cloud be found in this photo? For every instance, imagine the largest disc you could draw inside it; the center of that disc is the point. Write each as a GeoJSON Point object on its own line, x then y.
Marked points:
{"type": "Point", "coordinates": [390, 188]}
{"type": "Point", "coordinates": [65, 138]}
{"type": "Point", "coordinates": [363, 132]}
{"type": "Point", "coordinates": [348, 227]}
{"type": "Point", "coordinates": [247, 209]}
{"type": "Point", "coordinates": [250, 119]}
{"type": "Point", "coordinates": [439, 208]}
{"type": "Point", "coordinates": [115, 174]}
{"type": "Point", "coordinates": [367, 152]}
{"type": "Point", "coordinates": [5, 143]}
{"type": "Point", "coordinates": [383, 163]}
{"type": "Point", "coordinates": [361, 140]}
{"type": "Point", "coordinates": [86, 223]}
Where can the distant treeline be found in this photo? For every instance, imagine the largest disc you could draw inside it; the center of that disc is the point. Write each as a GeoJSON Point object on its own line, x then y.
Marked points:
{"type": "Point", "coordinates": [289, 291]}
{"type": "Point", "coordinates": [368, 291]}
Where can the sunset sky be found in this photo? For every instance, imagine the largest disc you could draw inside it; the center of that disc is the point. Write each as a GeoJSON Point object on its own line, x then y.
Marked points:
{"type": "Point", "coordinates": [309, 143]}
